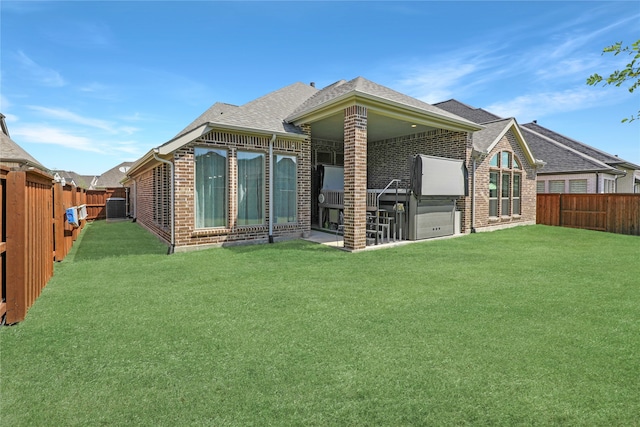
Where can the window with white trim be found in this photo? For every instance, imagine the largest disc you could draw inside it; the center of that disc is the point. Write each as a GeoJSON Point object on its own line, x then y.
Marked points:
{"type": "Point", "coordinates": [609, 185]}
{"type": "Point", "coordinates": [577, 186]}
{"type": "Point", "coordinates": [540, 186]}
{"type": "Point", "coordinates": [505, 185]}
{"type": "Point", "coordinates": [556, 186]}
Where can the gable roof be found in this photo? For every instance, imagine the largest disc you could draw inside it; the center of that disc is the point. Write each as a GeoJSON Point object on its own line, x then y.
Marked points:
{"type": "Point", "coordinates": [11, 152]}
{"type": "Point", "coordinates": [113, 176]}
{"type": "Point", "coordinates": [71, 177]}
{"type": "Point", "coordinates": [495, 127]}
{"type": "Point", "coordinates": [486, 139]}
{"type": "Point", "coordinates": [579, 147]}
{"type": "Point", "coordinates": [332, 96]}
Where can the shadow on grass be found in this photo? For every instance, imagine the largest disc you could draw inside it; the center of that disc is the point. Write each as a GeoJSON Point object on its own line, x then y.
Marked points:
{"type": "Point", "coordinates": [102, 239]}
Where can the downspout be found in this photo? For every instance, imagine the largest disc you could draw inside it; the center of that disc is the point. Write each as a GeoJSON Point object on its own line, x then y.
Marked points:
{"type": "Point", "coordinates": [271, 169]}
{"type": "Point", "coordinates": [173, 222]}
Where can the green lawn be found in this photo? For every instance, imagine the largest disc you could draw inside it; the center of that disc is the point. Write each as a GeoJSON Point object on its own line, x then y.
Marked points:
{"type": "Point", "coordinates": [527, 326]}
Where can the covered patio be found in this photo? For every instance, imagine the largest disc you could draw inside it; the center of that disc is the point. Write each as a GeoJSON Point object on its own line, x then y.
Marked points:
{"type": "Point", "coordinates": [370, 132]}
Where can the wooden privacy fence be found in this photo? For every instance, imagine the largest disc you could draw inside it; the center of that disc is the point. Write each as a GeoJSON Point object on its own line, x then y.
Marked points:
{"type": "Point", "coordinates": [34, 234]}
{"type": "Point", "coordinates": [614, 213]}
{"type": "Point", "coordinates": [97, 201]}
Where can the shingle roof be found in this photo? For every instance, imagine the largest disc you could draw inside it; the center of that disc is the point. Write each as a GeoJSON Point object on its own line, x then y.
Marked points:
{"type": "Point", "coordinates": [82, 181]}
{"type": "Point", "coordinates": [483, 139]}
{"type": "Point", "coordinates": [265, 113]}
{"type": "Point", "coordinates": [212, 114]}
{"type": "Point", "coordinates": [560, 158]}
{"type": "Point", "coordinates": [476, 115]}
{"type": "Point", "coordinates": [367, 87]}
{"type": "Point", "coordinates": [112, 177]}
{"type": "Point", "coordinates": [576, 145]}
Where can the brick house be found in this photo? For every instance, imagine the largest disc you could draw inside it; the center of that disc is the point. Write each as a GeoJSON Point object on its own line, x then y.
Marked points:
{"type": "Point", "coordinates": [570, 165]}
{"type": "Point", "coordinates": [257, 172]}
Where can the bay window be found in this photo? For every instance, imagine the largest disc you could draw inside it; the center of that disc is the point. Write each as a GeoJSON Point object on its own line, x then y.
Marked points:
{"type": "Point", "coordinates": [250, 188]}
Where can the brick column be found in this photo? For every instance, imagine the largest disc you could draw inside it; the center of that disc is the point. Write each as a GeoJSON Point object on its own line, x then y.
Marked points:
{"type": "Point", "coordinates": [355, 177]}
{"type": "Point", "coordinates": [304, 180]}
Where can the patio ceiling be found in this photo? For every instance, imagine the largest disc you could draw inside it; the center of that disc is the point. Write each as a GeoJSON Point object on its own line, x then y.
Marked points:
{"type": "Point", "coordinates": [379, 127]}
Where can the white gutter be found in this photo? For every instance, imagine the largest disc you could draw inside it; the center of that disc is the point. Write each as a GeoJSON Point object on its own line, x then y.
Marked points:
{"type": "Point", "coordinates": [271, 169]}
{"type": "Point", "coordinates": [173, 222]}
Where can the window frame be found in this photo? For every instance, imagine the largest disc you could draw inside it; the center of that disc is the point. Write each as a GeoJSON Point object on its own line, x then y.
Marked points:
{"type": "Point", "coordinates": [199, 224]}
{"type": "Point", "coordinates": [276, 206]}
{"type": "Point", "coordinates": [504, 167]}
{"type": "Point", "coordinates": [262, 220]}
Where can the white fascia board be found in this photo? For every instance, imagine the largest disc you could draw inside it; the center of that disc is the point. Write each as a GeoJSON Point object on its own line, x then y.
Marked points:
{"type": "Point", "coordinates": [184, 139]}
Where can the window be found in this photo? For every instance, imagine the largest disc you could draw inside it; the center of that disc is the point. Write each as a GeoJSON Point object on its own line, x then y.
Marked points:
{"type": "Point", "coordinates": [556, 186]}
{"type": "Point", "coordinates": [540, 187]}
{"type": "Point", "coordinates": [211, 187]}
{"type": "Point", "coordinates": [517, 178]}
{"type": "Point", "coordinates": [285, 189]}
{"type": "Point", "coordinates": [577, 186]}
{"type": "Point", "coordinates": [506, 190]}
{"type": "Point", "coordinates": [250, 188]}
{"type": "Point", "coordinates": [609, 186]}
{"type": "Point", "coordinates": [505, 185]}
{"type": "Point", "coordinates": [493, 193]}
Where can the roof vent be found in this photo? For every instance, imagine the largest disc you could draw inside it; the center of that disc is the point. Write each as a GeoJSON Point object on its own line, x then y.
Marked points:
{"type": "Point", "coordinates": [312, 84]}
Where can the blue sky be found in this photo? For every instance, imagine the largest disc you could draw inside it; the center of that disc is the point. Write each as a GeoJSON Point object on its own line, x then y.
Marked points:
{"type": "Point", "coordinates": [86, 85]}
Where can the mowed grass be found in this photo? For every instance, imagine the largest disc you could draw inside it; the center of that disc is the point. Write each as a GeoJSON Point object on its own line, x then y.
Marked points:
{"type": "Point", "coordinates": [527, 326]}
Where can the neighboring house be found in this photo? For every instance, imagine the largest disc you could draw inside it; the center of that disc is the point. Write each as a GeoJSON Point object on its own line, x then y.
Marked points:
{"type": "Point", "coordinates": [113, 177]}
{"type": "Point", "coordinates": [12, 155]}
{"type": "Point", "coordinates": [571, 166]}
{"type": "Point", "coordinates": [71, 178]}
{"type": "Point", "coordinates": [258, 172]}
{"type": "Point", "coordinates": [574, 167]}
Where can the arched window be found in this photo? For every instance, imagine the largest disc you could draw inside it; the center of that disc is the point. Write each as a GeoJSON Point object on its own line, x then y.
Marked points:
{"type": "Point", "coordinates": [505, 185]}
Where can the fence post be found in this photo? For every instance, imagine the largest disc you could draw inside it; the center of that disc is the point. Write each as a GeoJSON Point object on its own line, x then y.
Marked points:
{"type": "Point", "coordinates": [16, 247]}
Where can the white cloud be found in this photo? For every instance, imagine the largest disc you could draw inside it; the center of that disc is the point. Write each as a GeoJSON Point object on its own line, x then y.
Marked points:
{"type": "Point", "coordinates": [534, 105]}
{"type": "Point", "coordinates": [40, 134]}
{"type": "Point", "coordinates": [44, 76]}
{"type": "Point", "coordinates": [66, 115]}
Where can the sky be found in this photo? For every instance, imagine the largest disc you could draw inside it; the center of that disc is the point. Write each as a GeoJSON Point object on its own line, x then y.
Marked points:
{"type": "Point", "coordinates": [86, 85]}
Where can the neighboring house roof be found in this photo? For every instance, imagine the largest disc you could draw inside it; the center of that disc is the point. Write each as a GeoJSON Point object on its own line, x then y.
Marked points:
{"type": "Point", "coordinates": [11, 153]}
{"type": "Point", "coordinates": [113, 176]}
{"type": "Point", "coordinates": [70, 177]}
{"type": "Point", "coordinates": [563, 159]}
{"type": "Point", "coordinates": [366, 89]}
{"type": "Point", "coordinates": [580, 147]}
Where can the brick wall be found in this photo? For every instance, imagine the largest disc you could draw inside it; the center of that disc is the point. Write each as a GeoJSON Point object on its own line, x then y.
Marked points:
{"type": "Point", "coordinates": [528, 184]}
{"type": "Point", "coordinates": [390, 159]}
{"type": "Point", "coordinates": [188, 236]}
{"type": "Point", "coordinates": [145, 204]}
